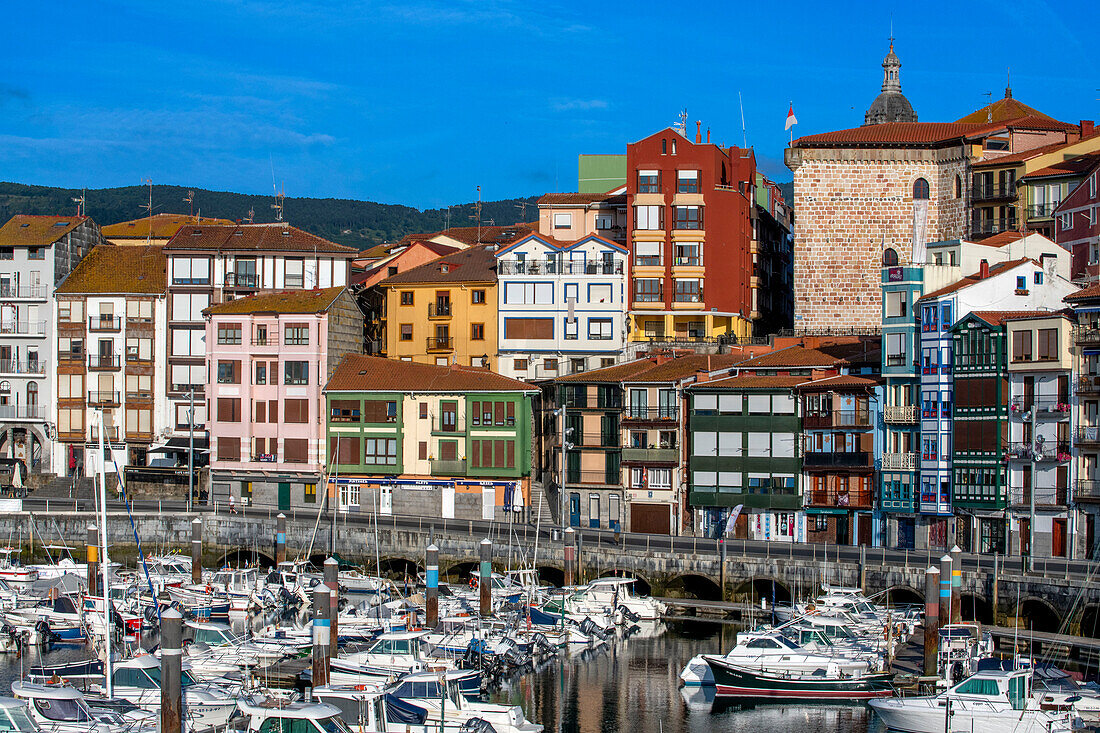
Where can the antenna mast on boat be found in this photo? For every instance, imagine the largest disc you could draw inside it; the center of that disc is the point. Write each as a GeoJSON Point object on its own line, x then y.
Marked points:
{"type": "Point", "coordinates": [108, 671]}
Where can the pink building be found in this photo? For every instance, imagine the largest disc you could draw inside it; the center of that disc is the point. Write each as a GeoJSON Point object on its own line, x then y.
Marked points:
{"type": "Point", "coordinates": [268, 357]}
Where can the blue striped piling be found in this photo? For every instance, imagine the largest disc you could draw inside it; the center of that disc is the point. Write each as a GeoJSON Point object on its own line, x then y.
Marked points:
{"type": "Point", "coordinates": [945, 589]}
{"type": "Point", "coordinates": [332, 580]}
{"type": "Point", "coordinates": [321, 635]}
{"type": "Point", "coordinates": [431, 578]}
{"type": "Point", "coordinates": [956, 584]}
{"type": "Point", "coordinates": [486, 584]}
{"type": "Point", "coordinates": [280, 538]}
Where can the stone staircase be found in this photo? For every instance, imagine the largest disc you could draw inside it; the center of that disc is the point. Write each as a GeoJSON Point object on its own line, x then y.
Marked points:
{"type": "Point", "coordinates": [48, 486]}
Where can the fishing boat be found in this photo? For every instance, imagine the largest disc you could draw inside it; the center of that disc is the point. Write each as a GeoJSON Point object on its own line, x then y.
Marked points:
{"type": "Point", "coordinates": [991, 701]}
{"type": "Point", "coordinates": [827, 683]}
{"type": "Point", "coordinates": [13, 571]}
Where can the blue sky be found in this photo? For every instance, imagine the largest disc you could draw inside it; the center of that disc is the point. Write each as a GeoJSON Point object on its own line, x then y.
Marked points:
{"type": "Point", "coordinates": [419, 102]}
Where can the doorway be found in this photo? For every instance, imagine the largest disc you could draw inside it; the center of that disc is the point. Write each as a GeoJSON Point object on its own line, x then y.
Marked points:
{"type": "Point", "coordinates": [1058, 538]}
{"type": "Point", "coordinates": [284, 496]}
{"type": "Point", "coordinates": [574, 509]}
{"type": "Point", "coordinates": [841, 537]}
{"type": "Point", "coordinates": [863, 531]}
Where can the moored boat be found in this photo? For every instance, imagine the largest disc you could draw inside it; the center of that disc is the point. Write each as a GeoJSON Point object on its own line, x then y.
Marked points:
{"type": "Point", "coordinates": [828, 683]}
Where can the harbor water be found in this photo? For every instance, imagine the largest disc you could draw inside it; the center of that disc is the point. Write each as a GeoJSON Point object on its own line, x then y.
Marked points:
{"type": "Point", "coordinates": [631, 685]}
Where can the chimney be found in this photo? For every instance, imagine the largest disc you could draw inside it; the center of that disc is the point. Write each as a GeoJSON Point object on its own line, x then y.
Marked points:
{"type": "Point", "coordinates": [660, 358]}
{"type": "Point", "coordinates": [698, 131]}
{"type": "Point", "coordinates": [983, 270]}
{"type": "Point", "coordinates": [708, 136]}
{"type": "Point", "coordinates": [1087, 127]}
{"type": "Point", "coordinates": [701, 375]}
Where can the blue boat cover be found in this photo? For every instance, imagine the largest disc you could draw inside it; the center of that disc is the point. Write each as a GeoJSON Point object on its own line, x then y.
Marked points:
{"type": "Point", "coordinates": [399, 711]}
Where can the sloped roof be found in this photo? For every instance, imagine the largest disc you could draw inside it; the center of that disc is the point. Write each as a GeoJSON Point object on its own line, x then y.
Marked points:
{"type": "Point", "coordinates": [1002, 239]}
{"type": "Point", "coordinates": [373, 373]}
{"type": "Point", "coordinates": [750, 381]}
{"type": "Point", "coordinates": [283, 301]}
{"type": "Point", "coordinates": [276, 237]}
{"type": "Point", "coordinates": [1078, 166]}
{"type": "Point", "coordinates": [795, 356]}
{"type": "Point", "coordinates": [1021, 156]}
{"type": "Point", "coordinates": [581, 199]}
{"type": "Point", "coordinates": [26, 230]}
{"type": "Point", "coordinates": [838, 381]}
{"type": "Point", "coordinates": [1003, 110]}
{"type": "Point", "coordinates": [998, 318]}
{"type": "Point", "coordinates": [684, 366]}
{"type": "Point", "coordinates": [924, 133]}
{"type": "Point", "coordinates": [488, 234]}
{"type": "Point", "coordinates": [114, 269]}
{"type": "Point", "coordinates": [1092, 291]}
{"type": "Point", "coordinates": [975, 278]}
{"type": "Point", "coordinates": [472, 265]}
{"type": "Point", "coordinates": [610, 375]}
{"type": "Point", "coordinates": [163, 226]}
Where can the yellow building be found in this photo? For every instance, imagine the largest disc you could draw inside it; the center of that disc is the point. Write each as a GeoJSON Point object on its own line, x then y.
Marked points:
{"type": "Point", "coordinates": [445, 311]}
{"type": "Point", "coordinates": [156, 229]}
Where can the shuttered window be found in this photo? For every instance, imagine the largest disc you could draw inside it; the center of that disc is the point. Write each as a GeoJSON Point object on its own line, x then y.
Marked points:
{"type": "Point", "coordinates": [295, 411]}
{"type": "Point", "coordinates": [296, 450]}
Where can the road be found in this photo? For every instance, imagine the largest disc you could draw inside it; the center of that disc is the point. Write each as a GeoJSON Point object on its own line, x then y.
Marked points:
{"type": "Point", "coordinates": [589, 538]}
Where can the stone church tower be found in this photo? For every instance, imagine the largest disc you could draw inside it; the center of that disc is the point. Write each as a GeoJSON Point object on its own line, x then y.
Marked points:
{"type": "Point", "coordinates": [891, 105]}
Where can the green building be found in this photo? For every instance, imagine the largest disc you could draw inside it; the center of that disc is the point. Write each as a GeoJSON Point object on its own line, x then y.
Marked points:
{"type": "Point", "coordinates": [433, 441]}
{"type": "Point", "coordinates": [600, 173]}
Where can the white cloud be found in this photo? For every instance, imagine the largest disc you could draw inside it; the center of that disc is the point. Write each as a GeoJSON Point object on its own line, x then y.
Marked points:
{"type": "Point", "coordinates": [568, 105]}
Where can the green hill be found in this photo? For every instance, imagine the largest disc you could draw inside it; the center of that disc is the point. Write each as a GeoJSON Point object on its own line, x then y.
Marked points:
{"type": "Point", "coordinates": [359, 224]}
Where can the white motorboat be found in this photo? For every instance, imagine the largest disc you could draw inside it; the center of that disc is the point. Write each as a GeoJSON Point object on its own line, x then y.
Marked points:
{"type": "Point", "coordinates": [390, 656]}
{"type": "Point", "coordinates": [271, 715]}
{"type": "Point", "coordinates": [444, 701]}
{"type": "Point", "coordinates": [611, 595]}
{"type": "Point", "coordinates": [13, 571]}
{"type": "Point", "coordinates": [15, 718]}
{"type": "Point", "coordinates": [993, 701]}
{"type": "Point", "coordinates": [204, 704]}
{"type": "Point", "coordinates": [61, 708]}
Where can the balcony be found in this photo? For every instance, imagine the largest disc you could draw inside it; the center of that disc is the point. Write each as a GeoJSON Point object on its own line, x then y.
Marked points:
{"type": "Point", "coordinates": [103, 399]}
{"type": "Point", "coordinates": [553, 267]}
{"type": "Point", "coordinates": [1088, 384]}
{"type": "Point", "coordinates": [1044, 407]}
{"type": "Point", "coordinates": [440, 343]}
{"type": "Point", "coordinates": [844, 459]}
{"type": "Point", "coordinates": [1018, 451]}
{"type": "Point", "coordinates": [689, 297]}
{"type": "Point", "coordinates": [69, 357]}
{"type": "Point", "coordinates": [136, 436]}
{"type": "Point", "coordinates": [1044, 497]}
{"type": "Point", "coordinates": [1087, 490]}
{"type": "Point", "coordinates": [1086, 434]}
{"type": "Point", "coordinates": [134, 357]}
{"type": "Point", "coordinates": [455, 426]}
{"type": "Point", "coordinates": [993, 192]}
{"type": "Point", "coordinates": [989, 227]}
{"type": "Point", "coordinates": [439, 310]}
{"type": "Point", "coordinates": [28, 292]}
{"type": "Point", "coordinates": [31, 368]}
{"type": "Point", "coordinates": [241, 280]}
{"type": "Point", "coordinates": [103, 361]}
{"type": "Point", "coordinates": [110, 433]}
{"type": "Point", "coordinates": [1086, 335]}
{"type": "Point", "coordinates": [852, 498]}
{"type": "Point", "coordinates": [899, 461]}
{"type": "Point", "coordinates": [901, 414]}
{"type": "Point", "coordinates": [642, 412]}
{"type": "Point", "coordinates": [138, 322]}
{"type": "Point", "coordinates": [650, 455]}
{"type": "Point", "coordinates": [104, 323]}
{"type": "Point", "coordinates": [1042, 211]}
{"type": "Point", "coordinates": [22, 412]}
{"type": "Point", "coordinates": [22, 328]}
{"type": "Point", "coordinates": [837, 419]}
{"type": "Point", "coordinates": [602, 478]}
{"type": "Point", "coordinates": [448, 468]}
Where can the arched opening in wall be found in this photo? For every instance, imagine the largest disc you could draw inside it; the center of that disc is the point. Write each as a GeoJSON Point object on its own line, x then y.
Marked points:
{"type": "Point", "coordinates": [694, 586]}
{"type": "Point", "coordinates": [903, 596]}
{"type": "Point", "coordinates": [974, 608]}
{"type": "Point", "coordinates": [889, 257]}
{"type": "Point", "coordinates": [460, 572]}
{"type": "Point", "coordinates": [1090, 622]}
{"type": "Point", "coordinates": [641, 585]}
{"type": "Point", "coordinates": [766, 588]}
{"type": "Point", "coordinates": [246, 559]}
{"type": "Point", "coordinates": [551, 575]}
{"type": "Point", "coordinates": [920, 189]}
{"type": "Point", "coordinates": [398, 568]}
{"type": "Point", "coordinates": [317, 560]}
{"type": "Point", "coordinates": [1038, 615]}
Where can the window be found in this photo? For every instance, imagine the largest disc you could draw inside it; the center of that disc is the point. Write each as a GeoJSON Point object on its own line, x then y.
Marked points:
{"type": "Point", "coordinates": [295, 273]}
{"type": "Point", "coordinates": [296, 334]}
{"type": "Point", "coordinates": [296, 372]}
{"type": "Point", "coordinates": [391, 271]}
{"type": "Point", "coordinates": [229, 409]}
{"type": "Point", "coordinates": [380, 451]}
{"type": "Point", "coordinates": [1021, 285]}
{"type": "Point", "coordinates": [229, 333]}
{"type": "Point", "coordinates": [570, 326]}
{"type": "Point", "coordinates": [607, 361]}
{"type": "Point", "coordinates": [296, 450]}
{"type": "Point", "coordinates": [958, 187]}
{"type": "Point", "coordinates": [191, 271]}
{"type": "Point", "coordinates": [920, 189]}
{"type": "Point", "coordinates": [689, 291]}
{"type": "Point", "coordinates": [648, 254]}
{"type": "Point", "coordinates": [529, 328]}
{"type": "Point", "coordinates": [576, 365]}
{"type": "Point", "coordinates": [1048, 343]}
{"type": "Point", "coordinates": [599, 329]}
{"type": "Point", "coordinates": [229, 372]}
{"type": "Point", "coordinates": [897, 304]}
{"type": "Point", "coordinates": [649, 181]}
{"type": "Point", "coordinates": [688, 254]}
{"type": "Point", "coordinates": [890, 257]}
{"type": "Point", "coordinates": [649, 217]}
{"type": "Point", "coordinates": [406, 332]}
{"type": "Point", "coordinates": [647, 290]}
{"type": "Point", "coordinates": [36, 253]}
{"type": "Point", "coordinates": [529, 293]}
{"type": "Point", "coordinates": [492, 454]}
{"type": "Point", "coordinates": [379, 411]}
{"type": "Point", "coordinates": [296, 411]}
{"type": "Point", "coordinates": [550, 365]}
{"type": "Point", "coordinates": [406, 297]}
{"type": "Point", "coordinates": [189, 306]}
{"type": "Point", "coordinates": [477, 331]}
{"type": "Point", "coordinates": [520, 365]}
{"type": "Point", "coordinates": [563, 220]}
{"type": "Point", "coordinates": [261, 372]}
{"type": "Point", "coordinates": [229, 449]}
{"type": "Point", "coordinates": [687, 217]}
{"type": "Point", "coordinates": [477, 297]}
{"type": "Point", "coordinates": [1038, 277]}
{"type": "Point", "coordinates": [687, 182]}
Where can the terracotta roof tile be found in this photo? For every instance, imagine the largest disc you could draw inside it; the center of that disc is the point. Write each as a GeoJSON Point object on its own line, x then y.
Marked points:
{"type": "Point", "coordinates": [162, 226]}
{"type": "Point", "coordinates": [609, 375]}
{"type": "Point", "coordinates": [971, 279]}
{"type": "Point", "coordinates": [1036, 315]}
{"type": "Point", "coordinates": [684, 366]}
{"type": "Point", "coordinates": [750, 381]}
{"type": "Point", "coordinates": [796, 356]}
{"type": "Point", "coordinates": [839, 381]}
{"type": "Point", "coordinates": [998, 318]}
{"type": "Point", "coordinates": [1002, 239]}
{"type": "Point", "coordinates": [1020, 156]}
{"type": "Point", "coordinates": [1092, 291]}
{"type": "Point", "coordinates": [254, 238]}
{"type": "Point", "coordinates": [373, 373]}
{"type": "Point", "coordinates": [488, 234]}
{"type": "Point", "coordinates": [923, 133]}
{"type": "Point", "coordinates": [283, 301]}
{"type": "Point", "coordinates": [1003, 110]}
{"type": "Point", "coordinates": [472, 265]}
{"type": "Point", "coordinates": [115, 269]}
{"type": "Point", "coordinates": [1072, 167]}
{"type": "Point", "coordinates": [581, 199]}
{"type": "Point", "coordinates": [25, 230]}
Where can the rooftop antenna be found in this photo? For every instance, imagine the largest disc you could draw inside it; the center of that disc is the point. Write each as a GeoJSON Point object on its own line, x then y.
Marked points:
{"type": "Point", "coordinates": [522, 206]}
{"type": "Point", "coordinates": [1008, 85]}
{"type": "Point", "coordinates": [744, 135]}
{"type": "Point", "coordinates": [190, 199]}
{"type": "Point", "coordinates": [251, 216]}
{"type": "Point", "coordinates": [280, 196]}
{"type": "Point", "coordinates": [682, 124]}
{"type": "Point", "coordinates": [989, 106]}
{"type": "Point", "coordinates": [79, 200]}
{"type": "Point", "coordinates": [149, 209]}
{"type": "Point", "coordinates": [477, 214]}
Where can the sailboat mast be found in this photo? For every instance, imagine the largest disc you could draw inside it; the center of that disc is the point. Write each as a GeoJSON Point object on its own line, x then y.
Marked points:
{"type": "Point", "coordinates": [108, 671]}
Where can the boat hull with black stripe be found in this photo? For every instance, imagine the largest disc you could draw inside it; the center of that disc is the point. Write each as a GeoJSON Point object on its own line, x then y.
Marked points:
{"type": "Point", "coordinates": [731, 680]}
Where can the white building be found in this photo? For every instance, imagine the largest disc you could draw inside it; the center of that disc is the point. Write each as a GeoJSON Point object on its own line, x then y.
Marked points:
{"type": "Point", "coordinates": [36, 252]}
{"type": "Point", "coordinates": [561, 307]}
{"type": "Point", "coordinates": [1002, 247]}
{"type": "Point", "coordinates": [111, 328]}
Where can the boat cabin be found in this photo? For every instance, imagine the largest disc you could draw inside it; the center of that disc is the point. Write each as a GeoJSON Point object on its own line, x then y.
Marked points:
{"type": "Point", "coordinates": [143, 673]}
{"type": "Point", "coordinates": [212, 634]}
{"type": "Point", "coordinates": [1012, 685]}
{"type": "Point", "coordinates": [14, 716]}
{"type": "Point", "coordinates": [276, 716]}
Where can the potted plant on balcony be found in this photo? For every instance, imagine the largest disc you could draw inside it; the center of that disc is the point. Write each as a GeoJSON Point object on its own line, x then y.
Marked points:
{"type": "Point", "coordinates": [1061, 407]}
{"type": "Point", "coordinates": [1063, 457]}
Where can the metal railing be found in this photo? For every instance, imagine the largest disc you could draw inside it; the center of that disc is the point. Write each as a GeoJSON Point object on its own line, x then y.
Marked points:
{"type": "Point", "coordinates": [1052, 406]}
{"type": "Point", "coordinates": [455, 467]}
{"type": "Point", "coordinates": [1088, 384]}
{"type": "Point", "coordinates": [553, 267]}
{"type": "Point", "coordinates": [22, 328]}
{"type": "Point", "coordinates": [901, 414]}
{"type": "Point", "coordinates": [602, 478]}
{"type": "Point", "coordinates": [1049, 496]}
{"type": "Point", "coordinates": [650, 455]}
{"type": "Point", "coordinates": [241, 280]}
{"type": "Point", "coordinates": [986, 227]}
{"type": "Point", "coordinates": [103, 398]}
{"type": "Point", "coordinates": [854, 498]}
{"type": "Point", "coordinates": [1049, 451]}
{"type": "Point", "coordinates": [1086, 335]}
{"type": "Point", "coordinates": [23, 291]}
{"type": "Point", "coordinates": [458, 426]}
{"type": "Point", "coordinates": [993, 191]}
{"type": "Point", "coordinates": [69, 357]}
{"type": "Point", "coordinates": [643, 412]}
{"type": "Point", "coordinates": [689, 297]}
{"type": "Point", "coordinates": [440, 343]}
{"type": "Point", "coordinates": [903, 461]}
{"type": "Point", "coordinates": [1041, 211]}
{"type": "Point", "coordinates": [1087, 489]}
{"type": "Point", "coordinates": [10, 366]}
{"type": "Point", "coordinates": [103, 361]}
{"type": "Point", "coordinates": [842, 459]}
{"type": "Point", "coordinates": [439, 310]}
{"type": "Point", "coordinates": [838, 418]}
{"type": "Point", "coordinates": [1086, 434]}
{"type": "Point", "coordinates": [104, 323]}
{"type": "Point", "coordinates": [657, 297]}
{"type": "Point", "coordinates": [22, 412]}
